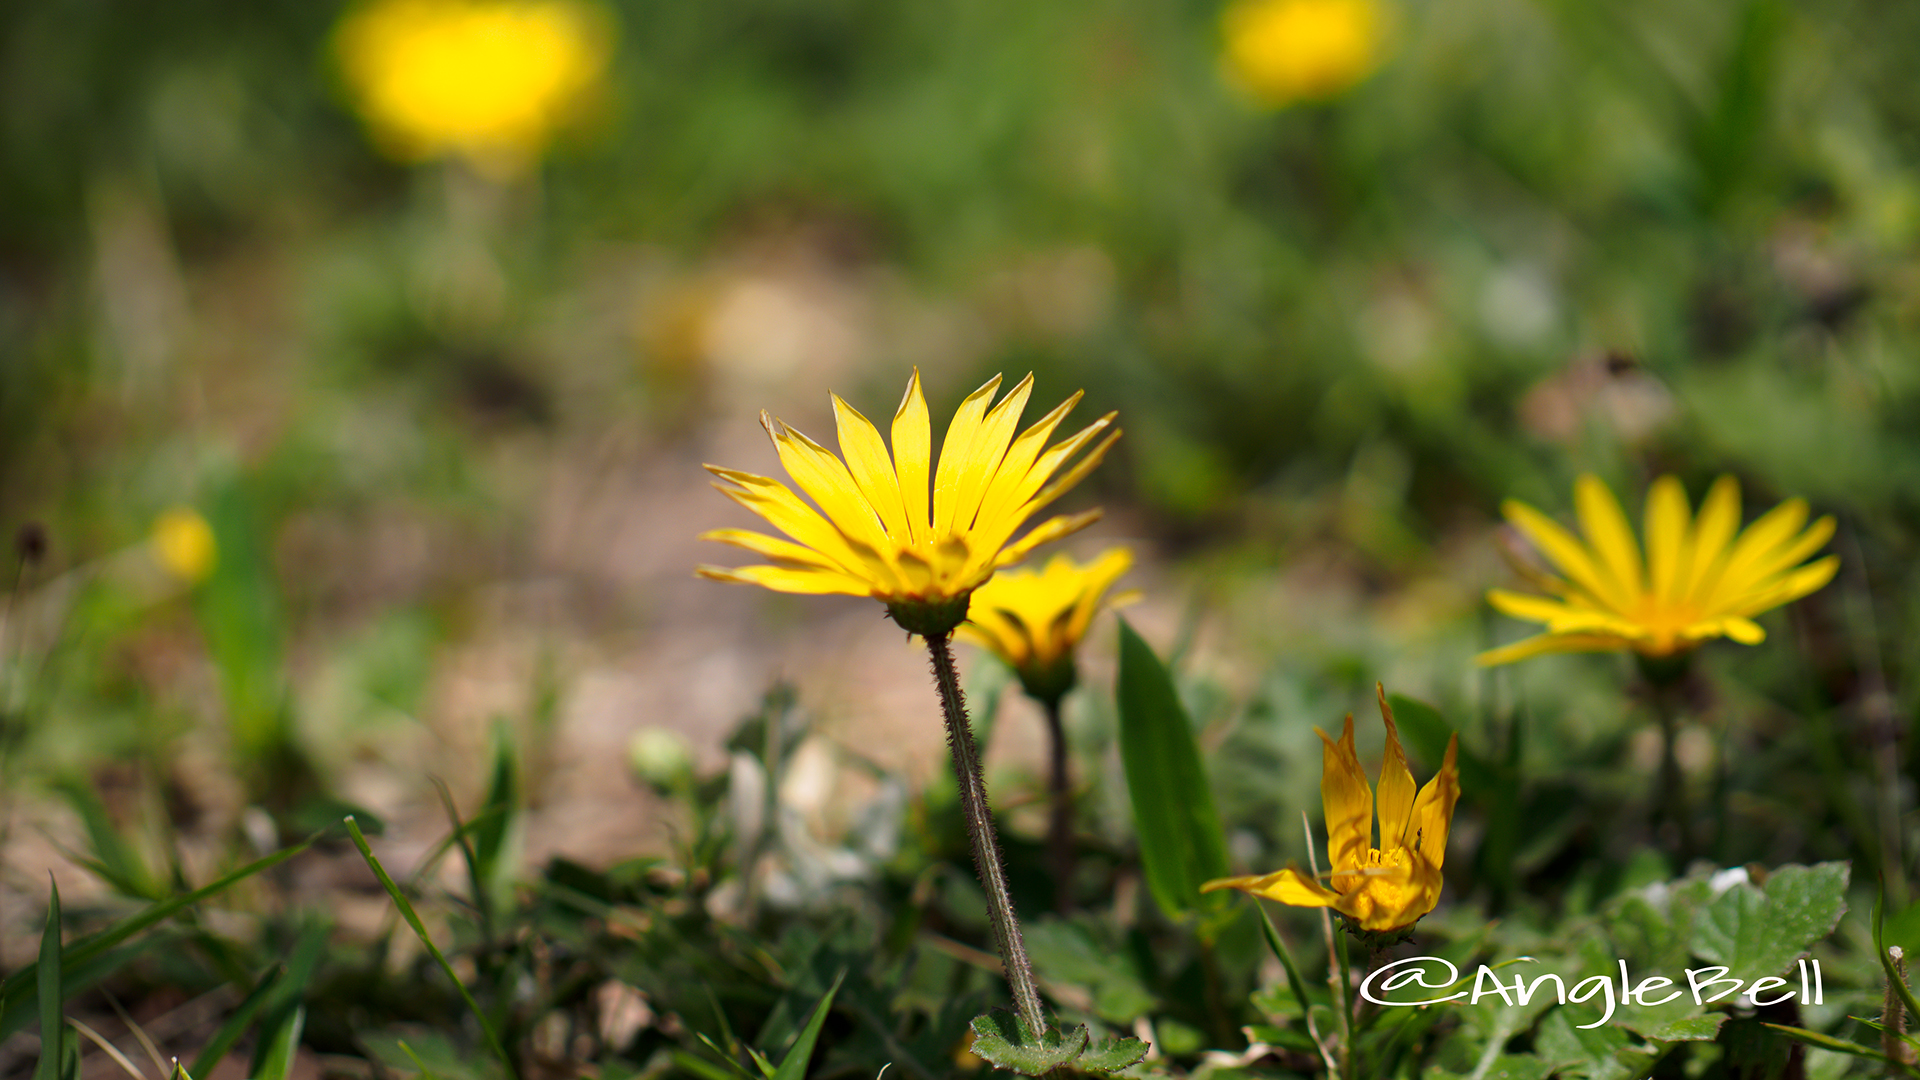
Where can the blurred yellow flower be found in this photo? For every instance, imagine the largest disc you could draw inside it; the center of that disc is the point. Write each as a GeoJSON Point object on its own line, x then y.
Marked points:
{"type": "Point", "coordinates": [485, 79]}
{"type": "Point", "coordinates": [1385, 889]}
{"type": "Point", "coordinates": [184, 545]}
{"type": "Point", "coordinates": [1034, 619]}
{"type": "Point", "coordinates": [1282, 51]}
{"type": "Point", "coordinates": [880, 536]}
{"type": "Point", "coordinates": [1699, 581]}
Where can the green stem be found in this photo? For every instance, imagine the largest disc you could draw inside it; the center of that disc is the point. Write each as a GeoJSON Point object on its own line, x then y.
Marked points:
{"type": "Point", "coordinates": [1060, 820]}
{"type": "Point", "coordinates": [986, 847]}
{"type": "Point", "coordinates": [1670, 798]}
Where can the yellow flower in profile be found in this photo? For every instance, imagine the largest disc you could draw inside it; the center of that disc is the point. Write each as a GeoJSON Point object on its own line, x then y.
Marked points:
{"type": "Point", "coordinates": [183, 543]}
{"type": "Point", "coordinates": [1282, 51]}
{"type": "Point", "coordinates": [877, 533]}
{"type": "Point", "coordinates": [1699, 580]}
{"type": "Point", "coordinates": [486, 79]}
{"type": "Point", "coordinates": [1034, 619]}
{"type": "Point", "coordinates": [1381, 890]}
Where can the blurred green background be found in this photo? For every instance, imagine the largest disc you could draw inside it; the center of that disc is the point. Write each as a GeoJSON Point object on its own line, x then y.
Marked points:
{"type": "Point", "coordinates": [446, 420]}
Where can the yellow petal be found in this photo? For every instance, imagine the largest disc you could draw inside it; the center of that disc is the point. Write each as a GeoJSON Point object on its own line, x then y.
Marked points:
{"type": "Point", "coordinates": [1396, 783]}
{"type": "Point", "coordinates": [1433, 811]}
{"type": "Point", "coordinates": [1667, 522]}
{"type": "Point", "coordinates": [1542, 644]}
{"type": "Point", "coordinates": [1045, 532]}
{"type": "Point", "coordinates": [771, 546]}
{"type": "Point", "coordinates": [954, 452]}
{"type": "Point", "coordinates": [785, 511]}
{"type": "Point", "coordinates": [784, 579]}
{"type": "Point", "coordinates": [1532, 608]}
{"type": "Point", "coordinates": [826, 480]}
{"type": "Point", "coordinates": [1719, 519]}
{"type": "Point", "coordinates": [872, 469]}
{"type": "Point", "coordinates": [1563, 550]}
{"type": "Point", "coordinates": [982, 458]}
{"type": "Point", "coordinates": [913, 456]}
{"type": "Point", "coordinates": [1762, 574]}
{"type": "Point", "coordinates": [1288, 886]}
{"type": "Point", "coordinates": [1808, 578]}
{"type": "Point", "coordinates": [1606, 529]}
{"type": "Point", "coordinates": [1345, 800]}
{"type": "Point", "coordinates": [1005, 492]}
{"type": "Point", "coordinates": [1759, 540]}
{"type": "Point", "coordinates": [1098, 578]}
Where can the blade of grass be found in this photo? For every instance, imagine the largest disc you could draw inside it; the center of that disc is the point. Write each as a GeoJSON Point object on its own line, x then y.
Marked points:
{"type": "Point", "coordinates": [275, 1061]}
{"type": "Point", "coordinates": [111, 1050]}
{"type": "Point", "coordinates": [701, 1067]}
{"type": "Point", "coordinates": [490, 839]}
{"type": "Point", "coordinates": [794, 1065]}
{"type": "Point", "coordinates": [229, 1032]}
{"type": "Point", "coordinates": [140, 1033]}
{"type": "Point", "coordinates": [425, 1073]}
{"type": "Point", "coordinates": [92, 947]}
{"type": "Point", "coordinates": [420, 931]}
{"type": "Point", "coordinates": [51, 1032]}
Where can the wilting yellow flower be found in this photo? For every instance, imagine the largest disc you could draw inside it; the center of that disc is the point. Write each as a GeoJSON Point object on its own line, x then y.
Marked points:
{"type": "Point", "coordinates": [183, 543]}
{"type": "Point", "coordinates": [1282, 51]}
{"type": "Point", "coordinates": [880, 535]}
{"type": "Point", "coordinates": [1699, 581]}
{"type": "Point", "coordinates": [1384, 889]}
{"type": "Point", "coordinates": [1033, 619]}
{"type": "Point", "coordinates": [486, 79]}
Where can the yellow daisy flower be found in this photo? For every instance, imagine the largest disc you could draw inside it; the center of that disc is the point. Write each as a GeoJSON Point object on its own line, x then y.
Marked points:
{"type": "Point", "coordinates": [1034, 619]}
{"type": "Point", "coordinates": [486, 79]}
{"type": "Point", "coordinates": [1282, 51]}
{"type": "Point", "coordinates": [1386, 889]}
{"type": "Point", "coordinates": [184, 544]}
{"type": "Point", "coordinates": [1698, 581]}
{"type": "Point", "coordinates": [878, 534]}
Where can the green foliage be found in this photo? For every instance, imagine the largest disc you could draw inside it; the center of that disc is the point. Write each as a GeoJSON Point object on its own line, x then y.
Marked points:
{"type": "Point", "coordinates": [1005, 1043]}
{"type": "Point", "coordinates": [1181, 842]}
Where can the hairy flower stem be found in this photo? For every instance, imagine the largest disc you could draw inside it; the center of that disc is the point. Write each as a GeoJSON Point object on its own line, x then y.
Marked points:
{"type": "Point", "coordinates": [986, 848]}
{"type": "Point", "coordinates": [1060, 821]}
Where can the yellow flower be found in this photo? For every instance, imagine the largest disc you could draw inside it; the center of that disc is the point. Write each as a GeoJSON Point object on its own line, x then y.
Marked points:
{"type": "Point", "coordinates": [1699, 581]}
{"type": "Point", "coordinates": [1385, 889]}
{"type": "Point", "coordinates": [876, 532]}
{"type": "Point", "coordinates": [486, 79]}
{"type": "Point", "coordinates": [1033, 619]}
{"type": "Point", "coordinates": [1282, 51]}
{"type": "Point", "coordinates": [183, 543]}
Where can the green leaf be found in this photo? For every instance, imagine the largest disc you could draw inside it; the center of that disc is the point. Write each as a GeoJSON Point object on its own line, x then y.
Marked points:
{"type": "Point", "coordinates": [999, 1038]}
{"type": "Point", "coordinates": [1701, 1028]}
{"type": "Point", "coordinates": [229, 1032]}
{"type": "Point", "coordinates": [1181, 842]}
{"type": "Point", "coordinates": [1111, 1055]}
{"type": "Point", "coordinates": [1759, 933]}
{"type": "Point", "coordinates": [276, 1056]}
{"type": "Point", "coordinates": [794, 1065]}
{"type": "Point", "coordinates": [1597, 1053]}
{"type": "Point", "coordinates": [1065, 952]}
{"type": "Point", "coordinates": [52, 1029]}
